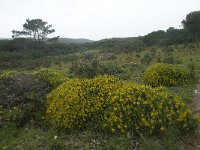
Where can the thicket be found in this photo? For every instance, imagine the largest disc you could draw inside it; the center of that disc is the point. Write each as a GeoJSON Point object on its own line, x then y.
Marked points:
{"type": "Point", "coordinates": [94, 67]}
{"type": "Point", "coordinates": [23, 95]}
{"type": "Point", "coordinates": [52, 77]}
{"type": "Point", "coordinates": [26, 44]}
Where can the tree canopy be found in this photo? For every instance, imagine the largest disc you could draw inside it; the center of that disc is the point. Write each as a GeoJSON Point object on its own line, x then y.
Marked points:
{"type": "Point", "coordinates": [36, 29]}
{"type": "Point", "coordinates": [192, 23]}
{"type": "Point", "coordinates": [156, 37]}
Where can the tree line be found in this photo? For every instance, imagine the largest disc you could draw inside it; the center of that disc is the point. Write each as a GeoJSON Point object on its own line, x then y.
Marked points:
{"type": "Point", "coordinates": [36, 31]}
{"type": "Point", "coordinates": [189, 33]}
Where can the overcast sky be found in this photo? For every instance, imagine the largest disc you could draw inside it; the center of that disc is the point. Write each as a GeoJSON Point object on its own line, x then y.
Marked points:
{"type": "Point", "coordinates": [96, 19]}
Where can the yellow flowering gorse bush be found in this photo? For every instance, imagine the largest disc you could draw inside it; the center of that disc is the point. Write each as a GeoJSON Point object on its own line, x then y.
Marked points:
{"type": "Point", "coordinates": [54, 78]}
{"type": "Point", "coordinates": [166, 75]}
{"type": "Point", "coordinates": [116, 106]}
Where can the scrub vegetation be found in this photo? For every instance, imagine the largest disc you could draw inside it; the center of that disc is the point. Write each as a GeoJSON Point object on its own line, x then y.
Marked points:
{"type": "Point", "coordinates": [120, 93]}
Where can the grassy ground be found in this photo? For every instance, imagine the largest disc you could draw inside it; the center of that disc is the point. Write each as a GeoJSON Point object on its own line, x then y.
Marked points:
{"type": "Point", "coordinates": [31, 137]}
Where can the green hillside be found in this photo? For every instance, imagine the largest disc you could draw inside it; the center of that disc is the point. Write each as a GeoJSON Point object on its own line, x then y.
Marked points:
{"type": "Point", "coordinates": [74, 41]}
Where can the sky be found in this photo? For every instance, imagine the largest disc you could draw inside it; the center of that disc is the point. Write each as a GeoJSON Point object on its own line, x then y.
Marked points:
{"type": "Point", "coordinates": [96, 19]}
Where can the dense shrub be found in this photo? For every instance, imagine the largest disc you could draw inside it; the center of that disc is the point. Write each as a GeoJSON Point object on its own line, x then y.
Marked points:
{"type": "Point", "coordinates": [88, 56]}
{"type": "Point", "coordinates": [107, 56]}
{"type": "Point", "coordinates": [166, 75]}
{"type": "Point", "coordinates": [18, 44]}
{"type": "Point", "coordinates": [148, 56]}
{"type": "Point", "coordinates": [146, 59]}
{"type": "Point", "coordinates": [168, 57]}
{"type": "Point", "coordinates": [191, 67]}
{"type": "Point", "coordinates": [22, 97]}
{"type": "Point", "coordinates": [87, 69]}
{"type": "Point", "coordinates": [52, 77]}
{"type": "Point", "coordinates": [113, 105]}
{"type": "Point", "coordinates": [92, 68]}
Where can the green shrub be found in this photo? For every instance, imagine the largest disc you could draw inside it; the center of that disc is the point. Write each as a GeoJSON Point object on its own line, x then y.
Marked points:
{"type": "Point", "coordinates": [107, 56]}
{"type": "Point", "coordinates": [166, 75]}
{"type": "Point", "coordinates": [92, 68]}
{"type": "Point", "coordinates": [168, 57]}
{"type": "Point", "coordinates": [88, 56]}
{"type": "Point", "coordinates": [111, 69]}
{"type": "Point", "coordinates": [148, 56]}
{"type": "Point", "coordinates": [52, 77]}
{"type": "Point", "coordinates": [113, 105]}
{"type": "Point", "coordinates": [85, 68]}
{"type": "Point", "coordinates": [191, 67]}
{"type": "Point", "coordinates": [146, 59]}
{"type": "Point", "coordinates": [22, 97]}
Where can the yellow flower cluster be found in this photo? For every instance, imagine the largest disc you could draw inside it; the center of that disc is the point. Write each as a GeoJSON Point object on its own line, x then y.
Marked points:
{"type": "Point", "coordinates": [5, 74]}
{"type": "Point", "coordinates": [51, 76]}
{"type": "Point", "coordinates": [116, 106]}
{"type": "Point", "coordinates": [166, 75]}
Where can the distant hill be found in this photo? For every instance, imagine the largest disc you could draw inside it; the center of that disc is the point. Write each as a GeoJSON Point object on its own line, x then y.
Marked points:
{"type": "Point", "coordinates": [2, 38]}
{"type": "Point", "coordinates": [119, 44]}
{"type": "Point", "coordinates": [74, 41]}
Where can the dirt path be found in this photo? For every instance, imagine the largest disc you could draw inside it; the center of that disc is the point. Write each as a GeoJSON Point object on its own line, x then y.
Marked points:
{"type": "Point", "coordinates": [196, 100]}
{"type": "Point", "coordinates": [192, 142]}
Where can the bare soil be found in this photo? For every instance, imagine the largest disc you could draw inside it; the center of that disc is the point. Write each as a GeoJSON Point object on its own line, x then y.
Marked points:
{"type": "Point", "coordinates": [192, 141]}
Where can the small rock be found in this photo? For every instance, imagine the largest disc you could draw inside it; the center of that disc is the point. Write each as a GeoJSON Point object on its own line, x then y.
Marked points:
{"type": "Point", "coordinates": [195, 91]}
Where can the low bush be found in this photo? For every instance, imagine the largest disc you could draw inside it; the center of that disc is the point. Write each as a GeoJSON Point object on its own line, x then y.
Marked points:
{"type": "Point", "coordinates": [85, 68]}
{"type": "Point", "coordinates": [148, 56]}
{"type": "Point", "coordinates": [88, 56]}
{"type": "Point", "coordinates": [92, 68]}
{"type": "Point", "coordinates": [146, 59]}
{"type": "Point", "coordinates": [52, 77]}
{"type": "Point", "coordinates": [166, 75]}
{"type": "Point", "coordinates": [22, 97]}
{"type": "Point", "coordinates": [107, 56]}
{"type": "Point", "coordinates": [191, 67]}
{"type": "Point", "coordinates": [116, 106]}
{"type": "Point", "coordinates": [168, 57]}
